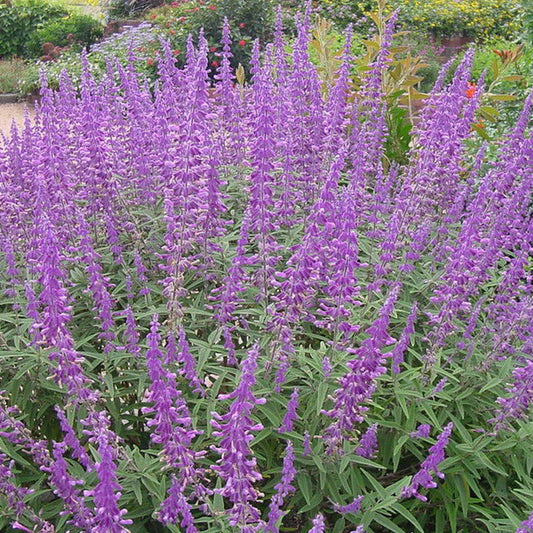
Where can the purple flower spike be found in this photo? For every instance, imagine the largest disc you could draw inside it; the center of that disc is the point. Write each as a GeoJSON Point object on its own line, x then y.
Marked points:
{"type": "Point", "coordinates": [237, 467]}
{"type": "Point", "coordinates": [172, 429]}
{"type": "Point", "coordinates": [368, 444]}
{"type": "Point", "coordinates": [520, 397]}
{"type": "Point", "coordinates": [424, 478]}
{"type": "Point", "coordinates": [353, 507]}
{"type": "Point", "coordinates": [109, 518]}
{"type": "Point", "coordinates": [283, 489]}
{"type": "Point", "coordinates": [422, 432]}
{"type": "Point", "coordinates": [290, 416]}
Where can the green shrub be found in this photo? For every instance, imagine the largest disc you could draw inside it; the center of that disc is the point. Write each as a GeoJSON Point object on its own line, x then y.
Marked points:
{"type": "Point", "coordinates": [74, 28]}
{"type": "Point", "coordinates": [20, 19]}
{"type": "Point", "coordinates": [119, 9]}
{"type": "Point", "coordinates": [248, 20]}
{"type": "Point", "coordinates": [477, 19]}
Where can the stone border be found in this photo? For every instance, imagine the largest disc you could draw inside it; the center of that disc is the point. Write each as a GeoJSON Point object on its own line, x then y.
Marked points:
{"type": "Point", "coordinates": [9, 98]}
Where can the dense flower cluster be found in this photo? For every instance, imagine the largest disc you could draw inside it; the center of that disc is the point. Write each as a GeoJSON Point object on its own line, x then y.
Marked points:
{"type": "Point", "coordinates": [228, 308]}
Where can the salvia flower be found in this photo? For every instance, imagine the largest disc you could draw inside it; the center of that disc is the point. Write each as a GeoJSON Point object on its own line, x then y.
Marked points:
{"type": "Point", "coordinates": [422, 432]}
{"type": "Point", "coordinates": [287, 423]}
{"type": "Point", "coordinates": [353, 507]}
{"type": "Point", "coordinates": [319, 526]}
{"type": "Point", "coordinates": [108, 517]}
{"type": "Point", "coordinates": [237, 467]}
{"type": "Point", "coordinates": [429, 467]}
{"type": "Point", "coordinates": [368, 443]}
{"type": "Point", "coordinates": [172, 429]}
{"type": "Point", "coordinates": [283, 489]}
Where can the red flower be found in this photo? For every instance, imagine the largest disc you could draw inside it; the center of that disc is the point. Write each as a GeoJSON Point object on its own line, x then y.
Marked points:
{"type": "Point", "coordinates": [214, 64]}
{"type": "Point", "coordinates": [153, 16]}
{"type": "Point", "coordinates": [177, 52]}
{"type": "Point", "coordinates": [150, 61]}
{"type": "Point", "coordinates": [183, 19]}
{"type": "Point", "coordinates": [241, 25]}
{"type": "Point", "coordinates": [212, 7]}
{"type": "Point", "coordinates": [242, 42]}
{"type": "Point", "coordinates": [213, 49]}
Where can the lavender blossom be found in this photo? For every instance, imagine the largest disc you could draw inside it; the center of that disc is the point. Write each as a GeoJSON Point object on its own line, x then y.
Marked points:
{"type": "Point", "coordinates": [109, 518]}
{"type": "Point", "coordinates": [283, 489]}
{"type": "Point", "coordinates": [319, 526]}
{"type": "Point", "coordinates": [359, 383]}
{"type": "Point", "coordinates": [290, 416]}
{"type": "Point", "coordinates": [422, 432]}
{"type": "Point", "coordinates": [368, 443]}
{"type": "Point", "coordinates": [353, 507]}
{"type": "Point", "coordinates": [172, 429]}
{"type": "Point", "coordinates": [398, 351]}
{"type": "Point", "coordinates": [423, 478]}
{"type": "Point", "coordinates": [519, 397]}
{"type": "Point", "coordinates": [237, 467]}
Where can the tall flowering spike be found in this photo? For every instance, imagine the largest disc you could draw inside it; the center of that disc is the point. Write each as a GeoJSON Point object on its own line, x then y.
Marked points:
{"type": "Point", "coordinates": [369, 125]}
{"type": "Point", "coordinates": [65, 489]}
{"type": "Point", "coordinates": [55, 317]}
{"type": "Point", "coordinates": [340, 263]}
{"type": "Point", "coordinates": [72, 441]}
{"type": "Point", "coordinates": [14, 495]}
{"type": "Point", "coordinates": [131, 335]}
{"type": "Point", "coordinates": [429, 467]}
{"type": "Point", "coordinates": [99, 286]}
{"type": "Point", "coordinates": [189, 364]}
{"type": "Point", "coordinates": [283, 489]}
{"type": "Point", "coordinates": [225, 74]}
{"type": "Point", "coordinates": [353, 507]}
{"type": "Point", "coordinates": [237, 467]}
{"type": "Point", "coordinates": [336, 105]}
{"type": "Point", "coordinates": [261, 191]}
{"type": "Point", "coordinates": [398, 351]}
{"type": "Point", "coordinates": [368, 443]}
{"type": "Point", "coordinates": [319, 525]}
{"type": "Point", "coordinates": [280, 54]}
{"type": "Point", "coordinates": [228, 294]}
{"type": "Point", "coordinates": [185, 191]}
{"type": "Point", "coordinates": [109, 518]}
{"type": "Point", "coordinates": [287, 423]}
{"type": "Point", "coordinates": [518, 399]}
{"type": "Point", "coordinates": [359, 383]}
{"type": "Point", "coordinates": [172, 429]}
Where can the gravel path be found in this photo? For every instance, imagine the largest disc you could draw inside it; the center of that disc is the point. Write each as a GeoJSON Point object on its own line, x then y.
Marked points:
{"type": "Point", "coordinates": [10, 112]}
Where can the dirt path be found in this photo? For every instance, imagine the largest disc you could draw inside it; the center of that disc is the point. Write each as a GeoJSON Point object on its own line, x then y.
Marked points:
{"type": "Point", "coordinates": [10, 112]}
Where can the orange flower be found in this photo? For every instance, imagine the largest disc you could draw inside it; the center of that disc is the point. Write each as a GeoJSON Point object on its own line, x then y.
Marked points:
{"type": "Point", "coordinates": [471, 90]}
